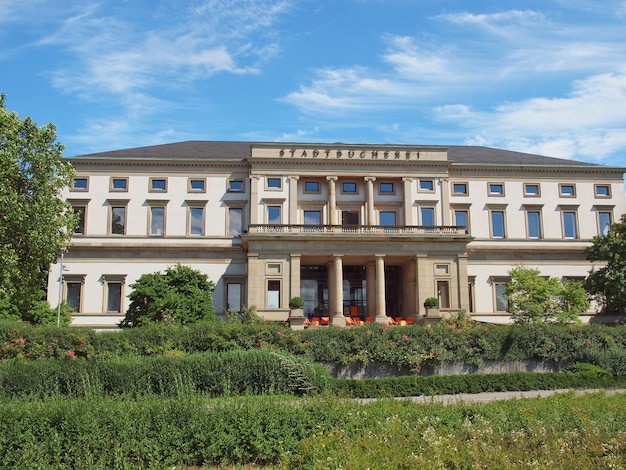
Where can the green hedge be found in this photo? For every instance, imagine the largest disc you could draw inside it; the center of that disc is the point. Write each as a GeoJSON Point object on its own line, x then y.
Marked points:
{"type": "Point", "coordinates": [411, 346]}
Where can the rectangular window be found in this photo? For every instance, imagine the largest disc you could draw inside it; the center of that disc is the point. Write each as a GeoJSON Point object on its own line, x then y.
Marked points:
{"type": "Point", "coordinates": [157, 221]}
{"type": "Point", "coordinates": [235, 221]}
{"type": "Point", "coordinates": [233, 296]}
{"type": "Point", "coordinates": [387, 218]}
{"type": "Point", "coordinates": [80, 212]}
{"type": "Point", "coordinates": [158, 185]}
{"type": "Point", "coordinates": [427, 216]}
{"type": "Point", "coordinates": [312, 218]}
{"type": "Point", "coordinates": [531, 190]}
{"type": "Point", "coordinates": [386, 188]}
{"type": "Point", "coordinates": [348, 187]}
{"type": "Point", "coordinates": [427, 185]}
{"type": "Point", "coordinates": [533, 223]}
{"type": "Point", "coordinates": [602, 190]}
{"type": "Point", "coordinates": [311, 187]}
{"type": "Point", "coordinates": [349, 218]}
{"type": "Point", "coordinates": [567, 190]}
{"type": "Point", "coordinates": [461, 219]}
{"type": "Point", "coordinates": [496, 189]}
{"type": "Point", "coordinates": [114, 297]}
{"type": "Point", "coordinates": [73, 294]}
{"type": "Point", "coordinates": [604, 222]}
{"type": "Point", "coordinates": [196, 221]}
{"type": "Point", "coordinates": [80, 184]}
{"type": "Point", "coordinates": [118, 220]}
{"type": "Point", "coordinates": [497, 224]}
{"type": "Point", "coordinates": [570, 229]}
{"type": "Point", "coordinates": [459, 189]}
{"type": "Point", "coordinates": [196, 185]}
{"type": "Point", "coordinates": [443, 292]}
{"type": "Point", "coordinates": [274, 183]}
{"type": "Point", "coordinates": [273, 294]}
{"type": "Point", "coordinates": [501, 300]}
{"type": "Point", "coordinates": [273, 215]}
{"type": "Point", "coordinates": [235, 186]}
{"type": "Point", "coordinates": [119, 184]}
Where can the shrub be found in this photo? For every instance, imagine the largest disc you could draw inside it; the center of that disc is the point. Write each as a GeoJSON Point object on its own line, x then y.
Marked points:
{"type": "Point", "coordinates": [296, 302]}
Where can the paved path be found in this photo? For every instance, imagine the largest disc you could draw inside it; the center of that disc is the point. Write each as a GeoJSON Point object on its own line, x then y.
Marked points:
{"type": "Point", "coordinates": [486, 397]}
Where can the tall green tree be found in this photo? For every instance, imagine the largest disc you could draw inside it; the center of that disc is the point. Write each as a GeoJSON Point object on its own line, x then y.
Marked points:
{"type": "Point", "coordinates": [181, 294]}
{"type": "Point", "coordinates": [608, 284]}
{"type": "Point", "coordinates": [35, 223]}
{"type": "Point", "coordinates": [533, 298]}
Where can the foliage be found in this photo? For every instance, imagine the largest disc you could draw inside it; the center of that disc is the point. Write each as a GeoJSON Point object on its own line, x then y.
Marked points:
{"type": "Point", "coordinates": [181, 295]}
{"type": "Point", "coordinates": [608, 283]}
{"type": "Point", "coordinates": [431, 302]}
{"type": "Point", "coordinates": [296, 302]}
{"type": "Point", "coordinates": [40, 313]}
{"type": "Point", "coordinates": [533, 298]}
{"type": "Point", "coordinates": [460, 319]}
{"type": "Point", "coordinates": [562, 431]}
{"type": "Point", "coordinates": [35, 223]}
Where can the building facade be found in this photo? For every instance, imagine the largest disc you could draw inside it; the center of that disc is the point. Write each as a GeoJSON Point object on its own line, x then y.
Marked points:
{"type": "Point", "coordinates": [364, 230]}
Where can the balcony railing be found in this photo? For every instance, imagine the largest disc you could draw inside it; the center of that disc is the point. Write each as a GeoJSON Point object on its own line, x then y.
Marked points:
{"type": "Point", "coordinates": [359, 229]}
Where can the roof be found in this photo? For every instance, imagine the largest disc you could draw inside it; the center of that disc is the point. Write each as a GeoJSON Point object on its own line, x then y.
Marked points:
{"type": "Point", "coordinates": [234, 150]}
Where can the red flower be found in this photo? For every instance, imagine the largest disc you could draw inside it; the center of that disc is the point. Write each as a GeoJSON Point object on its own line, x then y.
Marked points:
{"type": "Point", "coordinates": [82, 345]}
{"type": "Point", "coordinates": [70, 353]}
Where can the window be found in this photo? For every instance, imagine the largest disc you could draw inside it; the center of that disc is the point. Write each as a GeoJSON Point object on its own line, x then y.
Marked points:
{"type": "Point", "coordinates": [459, 189]}
{"type": "Point", "coordinates": [233, 296]}
{"type": "Point", "coordinates": [235, 186]}
{"type": "Point", "coordinates": [196, 185]}
{"type": "Point", "coordinates": [567, 190]}
{"type": "Point", "coordinates": [427, 185]}
{"type": "Point", "coordinates": [196, 220]}
{"type": "Point", "coordinates": [427, 216]}
{"type": "Point", "coordinates": [311, 187]}
{"type": "Point", "coordinates": [501, 300]}
{"type": "Point", "coordinates": [531, 190]}
{"type": "Point", "coordinates": [497, 224]}
{"type": "Point", "coordinates": [386, 188]}
{"type": "Point", "coordinates": [80, 184]}
{"type": "Point", "coordinates": [113, 292]}
{"type": "Point", "coordinates": [461, 218]}
{"type": "Point", "coordinates": [274, 183]}
{"type": "Point", "coordinates": [604, 222]}
{"type": "Point", "coordinates": [157, 221]}
{"type": "Point", "coordinates": [312, 218]}
{"type": "Point", "coordinates": [80, 209]}
{"type": "Point", "coordinates": [387, 218]}
{"type": "Point", "coordinates": [158, 185]}
{"type": "Point", "coordinates": [602, 190]}
{"type": "Point", "coordinates": [496, 189]}
{"type": "Point", "coordinates": [348, 187]}
{"type": "Point", "coordinates": [570, 226]}
{"type": "Point", "coordinates": [273, 214]}
{"type": "Point", "coordinates": [73, 285]}
{"type": "Point", "coordinates": [349, 217]}
{"type": "Point", "coordinates": [235, 221]}
{"type": "Point", "coordinates": [117, 217]}
{"type": "Point", "coordinates": [273, 294]}
{"type": "Point", "coordinates": [443, 292]}
{"type": "Point", "coordinates": [533, 223]}
{"type": "Point", "coordinates": [119, 184]}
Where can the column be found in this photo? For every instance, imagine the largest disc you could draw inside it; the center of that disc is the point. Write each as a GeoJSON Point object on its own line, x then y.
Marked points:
{"type": "Point", "coordinates": [294, 268]}
{"type": "Point", "coordinates": [371, 214]}
{"type": "Point", "coordinates": [408, 201]}
{"type": "Point", "coordinates": [424, 283]}
{"type": "Point", "coordinates": [337, 311]}
{"type": "Point", "coordinates": [254, 199]}
{"type": "Point", "coordinates": [256, 280]}
{"type": "Point", "coordinates": [463, 282]}
{"type": "Point", "coordinates": [332, 200]}
{"type": "Point", "coordinates": [445, 201]}
{"type": "Point", "coordinates": [381, 310]}
{"type": "Point", "coordinates": [408, 289]}
{"type": "Point", "coordinates": [370, 286]}
{"type": "Point", "coordinates": [293, 199]}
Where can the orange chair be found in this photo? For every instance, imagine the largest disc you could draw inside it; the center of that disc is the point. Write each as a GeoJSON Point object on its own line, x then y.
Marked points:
{"type": "Point", "coordinates": [349, 321]}
{"type": "Point", "coordinates": [307, 322]}
{"type": "Point", "coordinates": [325, 321]}
{"type": "Point", "coordinates": [391, 321]}
{"type": "Point", "coordinates": [410, 320]}
{"type": "Point", "coordinates": [316, 321]}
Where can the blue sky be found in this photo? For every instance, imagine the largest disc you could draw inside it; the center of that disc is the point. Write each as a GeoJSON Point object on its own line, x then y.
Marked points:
{"type": "Point", "coordinates": [546, 77]}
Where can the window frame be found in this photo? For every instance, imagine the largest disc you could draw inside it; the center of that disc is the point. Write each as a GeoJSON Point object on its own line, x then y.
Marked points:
{"type": "Point", "coordinates": [311, 191]}
{"type": "Point", "coordinates": [191, 205]}
{"type": "Point", "coordinates": [190, 182]}
{"type": "Point", "coordinates": [602, 196]}
{"type": "Point", "coordinates": [387, 211]}
{"type": "Point", "coordinates": [527, 211]}
{"type": "Point", "coordinates": [491, 193]}
{"type": "Point", "coordinates": [270, 187]}
{"type": "Point", "coordinates": [156, 204]}
{"type": "Point", "coordinates": [465, 184]}
{"type": "Point", "coordinates": [153, 179]}
{"type": "Point", "coordinates": [466, 210]}
{"type": "Point", "coordinates": [268, 207]}
{"type": "Point", "coordinates": [232, 206]}
{"type": "Point", "coordinates": [68, 279]}
{"type": "Point", "coordinates": [422, 190]}
{"type": "Point", "coordinates": [348, 191]}
{"type": "Point", "coordinates": [234, 280]}
{"type": "Point", "coordinates": [117, 204]}
{"type": "Point", "coordinates": [527, 194]}
{"type": "Point", "coordinates": [574, 211]}
{"type": "Point", "coordinates": [312, 210]}
{"type": "Point", "coordinates": [80, 204]}
{"type": "Point", "coordinates": [386, 193]}
{"type": "Point", "coordinates": [231, 181]}
{"type": "Point", "coordinates": [599, 212]}
{"type": "Point", "coordinates": [107, 281]}
{"type": "Point", "coordinates": [497, 210]}
{"type": "Point", "coordinates": [421, 215]}
{"type": "Point", "coordinates": [495, 283]}
{"type": "Point", "coordinates": [267, 293]}
{"type": "Point", "coordinates": [112, 181]}
{"type": "Point", "coordinates": [567, 185]}
{"type": "Point", "coordinates": [73, 187]}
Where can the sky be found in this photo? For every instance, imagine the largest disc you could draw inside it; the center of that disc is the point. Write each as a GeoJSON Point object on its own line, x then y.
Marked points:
{"type": "Point", "coordinates": [545, 77]}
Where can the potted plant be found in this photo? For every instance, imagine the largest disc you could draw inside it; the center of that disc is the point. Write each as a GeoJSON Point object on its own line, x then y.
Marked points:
{"type": "Point", "coordinates": [296, 313]}
{"type": "Point", "coordinates": [296, 303]}
{"type": "Point", "coordinates": [431, 303]}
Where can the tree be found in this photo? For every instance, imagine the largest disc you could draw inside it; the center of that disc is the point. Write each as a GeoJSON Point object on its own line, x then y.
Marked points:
{"type": "Point", "coordinates": [608, 284]}
{"type": "Point", "coordinates": [179, 295]}
{"type": "Point", "coordinates": [35, 223]}
{"type": "Point", "coordinates": [533, 298]}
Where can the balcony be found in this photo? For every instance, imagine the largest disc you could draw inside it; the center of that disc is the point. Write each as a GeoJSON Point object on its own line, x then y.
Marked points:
{"type": "Point", "coordinates": [367, 230]}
